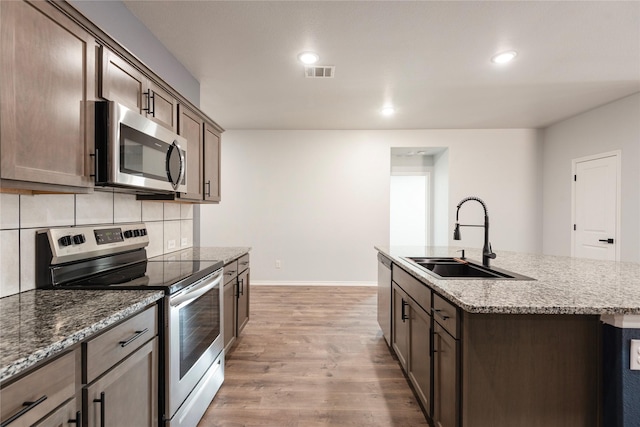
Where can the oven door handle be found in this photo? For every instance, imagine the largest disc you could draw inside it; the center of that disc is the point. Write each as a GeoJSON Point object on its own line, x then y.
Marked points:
{"type": "Point", "coordinates": [196, 291]}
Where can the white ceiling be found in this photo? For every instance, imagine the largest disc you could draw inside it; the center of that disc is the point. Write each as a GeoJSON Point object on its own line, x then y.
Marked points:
{"type": "Point", "coordinates": [430, 59]}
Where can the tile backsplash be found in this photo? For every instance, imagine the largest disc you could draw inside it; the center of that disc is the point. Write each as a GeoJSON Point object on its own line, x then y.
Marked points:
{"type": "Point", "coordinates": [170, 226]}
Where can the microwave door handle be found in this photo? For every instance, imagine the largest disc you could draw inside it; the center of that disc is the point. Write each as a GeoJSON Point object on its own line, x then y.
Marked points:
{"type": "Point", "coordinates": [183, 166]}
{"type": "Point", "coordinates": [170, 152]}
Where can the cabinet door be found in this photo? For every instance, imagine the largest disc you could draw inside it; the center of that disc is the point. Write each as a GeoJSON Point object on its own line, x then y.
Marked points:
{"type": "Point", "coordinates": [243, 300]}
{"type": "Point", "coordinates": [127, 395]}
{"type": "Point", "coordinates": [47, 75]}
{"type": "Point", "coordinates": [122, 82]}
{"type": "Point", "coordinates": [445, 379]}
{"type": "Point", "coordinates": [190, 126]}
{"type": "Point", "coordinates": [229, 310]}
{"type": "Point", "coordinates": [67, 415]}
{"type": "Point", "coordinates": [400, 324]}
{"type": "Point", "coordinates": [211, 164]}
{"type": "Point", "coordinates": [163, 108]}
{"type": "Point", "coordinates": [419, 371]}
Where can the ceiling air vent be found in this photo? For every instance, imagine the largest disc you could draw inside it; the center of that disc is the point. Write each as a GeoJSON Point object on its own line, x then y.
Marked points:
{"type": "Point", "coordinates": [319, 71]}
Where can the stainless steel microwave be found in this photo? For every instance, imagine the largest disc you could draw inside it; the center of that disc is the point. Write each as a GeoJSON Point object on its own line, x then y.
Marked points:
{"type": "Point", "coordinates": [134, 152]}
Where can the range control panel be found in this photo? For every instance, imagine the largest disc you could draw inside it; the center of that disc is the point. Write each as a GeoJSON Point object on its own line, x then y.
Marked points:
{"type": "Point", "coordinates": [74, 243]}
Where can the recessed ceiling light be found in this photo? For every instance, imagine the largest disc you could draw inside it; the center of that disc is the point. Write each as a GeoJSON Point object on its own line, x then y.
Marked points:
{"type": "Point", "coordinates": [308, 58]}
{"type": "Point", "coordinates": [388, 111]}
{"type": "Point", "coordinates": [504, 57]}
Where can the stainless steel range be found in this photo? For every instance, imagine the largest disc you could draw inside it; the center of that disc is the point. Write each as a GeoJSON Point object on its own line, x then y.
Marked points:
{"type": "Point", "coordinates": [114, 257]}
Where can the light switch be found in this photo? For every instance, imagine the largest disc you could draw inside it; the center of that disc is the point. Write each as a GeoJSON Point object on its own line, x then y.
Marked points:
{"type": "Point", "coordinates": [635, 355]}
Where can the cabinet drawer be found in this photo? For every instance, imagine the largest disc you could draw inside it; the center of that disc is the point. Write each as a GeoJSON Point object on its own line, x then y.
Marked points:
{"type": "Point", "coordinates": [51, 385]}
{"type": "Point", "coordinates": [230, 271]}
{"type": "Point", "coordinates": [243, 263]}
{"type": "Point", "coordinates": [118, 342]}
{"type": "Point", "coordinates": [446, 315]}
{"type": "Point", "coordinates": [420, 292]}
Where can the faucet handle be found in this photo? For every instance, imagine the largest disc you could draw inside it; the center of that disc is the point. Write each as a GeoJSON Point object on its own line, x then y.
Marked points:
{"type": "Point", "coordinates": [491, 254]}
{"type": "Point", "coordinates": [461, 256]}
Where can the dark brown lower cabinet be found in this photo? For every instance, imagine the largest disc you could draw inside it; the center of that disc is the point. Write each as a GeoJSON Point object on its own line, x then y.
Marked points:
{"type": "Point", "coordinates": [419, 371]}
{"type": "Point", "coordinates": [411, 341]}
{"type": "Point", "coordinates": [445, 378]}
{"type": "Point", "coordinates": [243, 301]}
{"type": "Point", "coordinates": [229, 301]}
{"type": "Point", "coordinates": [126, 395]}
{"type": "Point", "coordinates": [400, 324]}
{"type": "Point", "coordinates": [236, 299]}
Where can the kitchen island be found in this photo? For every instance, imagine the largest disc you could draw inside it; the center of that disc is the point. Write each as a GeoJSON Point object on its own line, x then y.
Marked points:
{"type": "Point", "coordinates": [487, 352]}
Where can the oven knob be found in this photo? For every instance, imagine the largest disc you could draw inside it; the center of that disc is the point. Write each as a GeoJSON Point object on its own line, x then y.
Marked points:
{"type": "Point", "coordinates": [64, 241]}
{"type": "Point", "coordinates": [79, 239]}
{"type": "Point", "coordinates": [136, 233]}
{"type": "Point", "coordinates": [128, 234]}
{"type": "Point", "coordinates": [143, 231]}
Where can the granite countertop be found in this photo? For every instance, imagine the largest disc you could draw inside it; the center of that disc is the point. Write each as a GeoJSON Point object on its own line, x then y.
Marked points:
{"type": "Point", "coordinates": [38, 324]}
{"type": "Point", "coordinates": [224, 254]}
{"type": "Point", "coordinates": [563, 285]}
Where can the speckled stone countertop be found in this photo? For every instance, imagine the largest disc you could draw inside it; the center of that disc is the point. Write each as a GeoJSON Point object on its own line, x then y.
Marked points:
{"type": "Point", "coordinates": [38, 324]}
{"type": "Point", "coordinates": [563, 285]}
{"type": "Point", "coordinates": [224, 254]}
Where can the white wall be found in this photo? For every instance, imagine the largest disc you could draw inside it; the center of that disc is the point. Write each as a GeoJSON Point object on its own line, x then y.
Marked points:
{"type": "Point", "coordinates": [319, 200]}
{"type": "Point", "coordinates": [615, 126]}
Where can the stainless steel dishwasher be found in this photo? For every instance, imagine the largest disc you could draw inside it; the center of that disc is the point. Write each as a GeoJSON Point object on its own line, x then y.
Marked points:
{"type": "Point", "coordinates": [384, 296]}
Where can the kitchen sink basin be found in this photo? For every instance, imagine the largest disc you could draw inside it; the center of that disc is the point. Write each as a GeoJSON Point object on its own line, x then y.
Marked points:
{"type": "Point", "coordinates": [455, 268]}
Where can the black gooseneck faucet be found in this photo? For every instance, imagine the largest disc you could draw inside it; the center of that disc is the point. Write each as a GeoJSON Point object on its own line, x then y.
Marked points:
{"type": "Point", "coordinates": [487, 253]}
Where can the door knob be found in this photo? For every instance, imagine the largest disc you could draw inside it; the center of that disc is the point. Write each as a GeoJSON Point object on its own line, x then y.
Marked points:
{"type": "Point", "coordinates": [609, 241]}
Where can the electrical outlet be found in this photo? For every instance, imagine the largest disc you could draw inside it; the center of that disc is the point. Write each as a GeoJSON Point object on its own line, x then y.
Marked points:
{"type": "Point", "coordinates": [635, 355]}
{"type": "Point", "coordinates": [278, 263]}
{"type": "Point", "coordinates": [171, 244]}
{"type": "Point", "coordinates": [184, 241]}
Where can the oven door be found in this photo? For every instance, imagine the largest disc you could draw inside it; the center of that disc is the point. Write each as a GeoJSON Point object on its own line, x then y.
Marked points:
{"type": "Point", "coordinates": [194, 336]}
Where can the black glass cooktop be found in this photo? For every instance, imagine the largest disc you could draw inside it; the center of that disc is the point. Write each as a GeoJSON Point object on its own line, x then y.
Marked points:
{"type": "Point", "coordinates": [169, 276]}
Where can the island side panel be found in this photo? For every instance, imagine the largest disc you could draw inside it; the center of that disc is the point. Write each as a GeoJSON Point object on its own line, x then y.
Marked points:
{"type": "Point", "coordinates": [530, 370]}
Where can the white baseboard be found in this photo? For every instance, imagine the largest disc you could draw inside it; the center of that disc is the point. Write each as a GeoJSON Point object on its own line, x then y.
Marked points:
{"type": "Point", "coordinates": [291, 283]}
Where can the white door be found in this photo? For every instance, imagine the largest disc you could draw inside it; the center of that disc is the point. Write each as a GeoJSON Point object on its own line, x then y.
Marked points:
{"type": "Point", "coordinates": [596, 194]}
{"type": "Point", "coordinates": [409, 195]}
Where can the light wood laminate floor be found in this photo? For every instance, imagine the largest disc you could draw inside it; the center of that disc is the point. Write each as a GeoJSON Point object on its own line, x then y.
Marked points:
{"type": "Point", "coordinates": [313, 356]}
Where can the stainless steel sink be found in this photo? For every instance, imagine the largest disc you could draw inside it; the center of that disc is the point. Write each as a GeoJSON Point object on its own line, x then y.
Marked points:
{"type": "Point", "coordinates": [455, 268]}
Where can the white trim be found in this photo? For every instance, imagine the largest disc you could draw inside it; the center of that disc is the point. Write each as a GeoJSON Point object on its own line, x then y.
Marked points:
{"type": "Point", "coordinates": [623, 321]}
{"type": "Point", "coordinates": [293, 283]}
{"type": "Point", "coordinates": [574, 162]}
